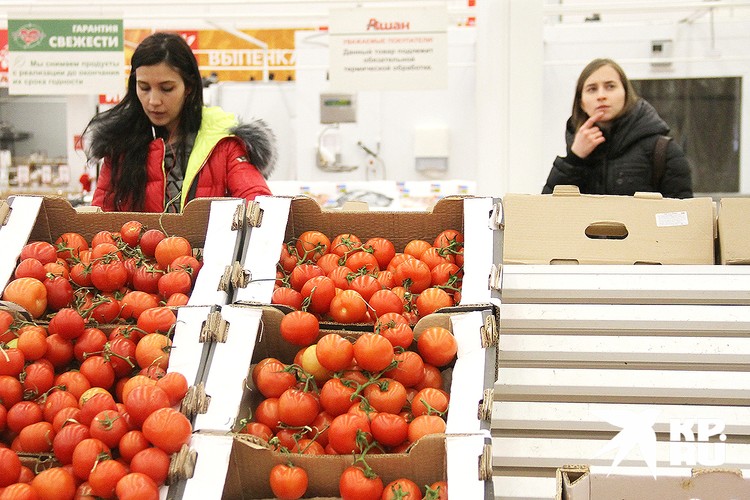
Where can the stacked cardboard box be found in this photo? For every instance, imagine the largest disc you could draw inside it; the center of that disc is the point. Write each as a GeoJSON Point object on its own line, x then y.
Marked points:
{"type": "Point", "coordinates": [240, 466]}
{"type": "Point", "coordinates": [614, 367]}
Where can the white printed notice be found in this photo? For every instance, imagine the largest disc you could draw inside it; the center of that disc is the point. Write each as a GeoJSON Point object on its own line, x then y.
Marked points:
{"type": "Point", "coordinates": [65, 56]}
{"type": "Point", "coordinates": [389, 49]}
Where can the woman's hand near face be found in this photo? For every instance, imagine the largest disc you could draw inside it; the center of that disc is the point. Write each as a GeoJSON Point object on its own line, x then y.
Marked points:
{"type": "Point", "coordinates": [588, 137]}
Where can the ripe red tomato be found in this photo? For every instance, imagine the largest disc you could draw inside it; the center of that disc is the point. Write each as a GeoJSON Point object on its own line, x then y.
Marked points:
{"type": "Point", "coordinates": [342, 434]}
{"type": "Point", "coordinates": [32, 342]}
{"type": "Point", "coordinates": [153, 462]}
{"type": "Point", "coordinates": [11, 468]}
{"type": "Point", "coordinates": [373, 352]}
{"type": "Point", "coordinates": [439, 490]}
{"type": "Point", "coordinates": [149, 240]}
{"type": "Point", "coordinates": [177, 281]}
{"type": "Point", "coordinates": [409, 370]}
{"type": "Point", "coordinates": [311, 245]}
{"type": "Point", "coordinates": [354, 484]}
{"type": "Point", "coordinates": [334, 352]}
{"type": "Point", "coordinates": [187, 262]}
{"type": "Point", "coordinates": [362, 261]}
{"type": "Point", "coordinates": [135, 302]}
{"type": "Point", "coordinates": [109, 276]}
{"type": "Point", "coordinates": [437, 346]}
{"type": "Point", "coordinates": [386, 301]}
{"type": "Point", "coordinates": [446, 273]}
{"type": "Point", "coordinates": [66, 440]}
{"type": "Point", "coordinates": [272, 379]}
{"type": "Point", "coordinates": [143, 400]}
{"type": "Point", "coordinates": [131, 443]}
{"type": "Point", "coordinates": [153, 349]}
{"type": "Point", "coordinates": [389, 429]}
{"type": "Point", "coordinates": [424, 425]}
{"type": "Point", "coordinates": [175, 384]}
{"type": "Point", "coordinates": [366, 285]}
{"type": "Point", "coordinates": [401, 488]}
{"type": "Point", "coordinates": [59, 292]}
{"type": "Point", "coordinates": [56, 482]}
{"type": "Point", "coordinates": [416, 248]}
{"type": "Point", "coordinates": [168, 429]}
{"type": "Point", "coordinates": [302, 274]}
{"type": "Point", "coordinates": [287, 296]}
{"type": "Point", "coordinates": [102, 237]}
{"type": "Point", "coordinates": [29, 293]}
{"type": "Point", "coordinates": [335, 396]}
{"type": "Point", "coordinates": [298, 408]}
{"type": "Point", "coordinates": [414, 275]}
{"type": "Point", "coordinates": [70, 245]}
{"type": "Point", "coordinates": [288, 482]}
{"type": "Point", "coordinates": [109, 426]}
{"type": "Point", "coordinates": [386, 395]}
{"type": "Point", "coordinates": [382, 249]}
{"type": "Point", "coordinates": [348, 307]}
{"type": "Point", "coordinates": [319, 291]}
{"type": "Point", "coordinates": [430, 401]}
{"type": "Point", "coordinates": [11, 390]}
{"type": "Point", "coordinates": [431, 300]}
{"type": "Point", "coordinates": [42, 251]}
{"type": "Point", "coordinates": [450, 239]}
{"type": "Point", "coordinates": [12, 361]}
{"type": "Point", "coordinates": [171, 247]}
{"type": "Point", "coordinates": [99, 372]}
{"type": "Point", "coordinates": [80, 274]}
{"type": "Point", "coordinates": [137, 486]}
{"type": "Point", "coordinates": [68, 323]}
{"type": "Point", "coordinates": [146, 278]}
{"type": "Point", "coordinates": [104, 478]}
{"type": "Point", "coordinates": [36, 438]}
{"type": "Point", "coordinates": [106, 251]}
{"type": "Point", "coordinates": [436, 256]}
{"type": "Point", "coordinates": [345, 243]}
{"type": "Point", "coordinates": [130, 232]}
{"type": "Point", "coordinates": [157, 320]}
{"type": "Point", "coordinates": [30, 268]}
{"type": "Point", "coordinates": [299, 328]}
{"type": "Point", "coordinates": [328, 262]}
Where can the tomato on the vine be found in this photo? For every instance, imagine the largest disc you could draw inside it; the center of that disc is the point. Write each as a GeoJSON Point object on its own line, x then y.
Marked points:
{"type": "Point", "coordinates": [401, 488]}
{"type": "Point", "coordinates": [356, 484]}
{"type": "Point", "coordinates": [29, 293]}
{"type": "Point", "coordinates": [299, 328]}
{"type": "Point", "coordinates": [288, 482]}
{"type": "Point", "coordinates": [348, 307]}
{"type": "Point", "coordinates": [171, 247]}
{"type": "Point", "coordinates": [311, 245]}
{"type": "Point", "coordinates": [437, 346]}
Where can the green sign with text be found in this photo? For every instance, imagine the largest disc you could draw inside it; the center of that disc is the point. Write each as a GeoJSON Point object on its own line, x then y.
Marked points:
{"type": "Point", "coordinates": [65, 35]}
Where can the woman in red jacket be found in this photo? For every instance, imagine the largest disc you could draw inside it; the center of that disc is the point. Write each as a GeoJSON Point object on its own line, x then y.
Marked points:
{"type": "Point", "coordinates": [160, 147]}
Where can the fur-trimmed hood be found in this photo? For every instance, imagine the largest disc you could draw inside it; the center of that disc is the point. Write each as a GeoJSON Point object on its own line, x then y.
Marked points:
{"type": "Point", "coordinates": [260, 141]}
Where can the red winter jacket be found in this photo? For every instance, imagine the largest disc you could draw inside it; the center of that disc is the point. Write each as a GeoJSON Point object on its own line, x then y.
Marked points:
{"type": "Point", "coordinates": [219, 164]}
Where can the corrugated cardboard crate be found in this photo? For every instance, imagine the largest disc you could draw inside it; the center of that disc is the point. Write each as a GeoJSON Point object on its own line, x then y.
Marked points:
{"type": "Point", "coordinates": [208, 224]}
{"type": "Point", "coordinates": [242, 335]}
{"type": "Point", "coordinates": [734, 238]}
{"type": "Point", "coordinates": [584, 483]}
{"type": "Point", "coordinates": [569, 228]}
{"type": "Point", "coordinates": [249, 334]}
{"type": "Point", "coordinates": [475, 217]}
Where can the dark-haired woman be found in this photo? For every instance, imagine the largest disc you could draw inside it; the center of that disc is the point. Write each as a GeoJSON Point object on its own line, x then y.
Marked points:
{"type": "Point", "coordinates": [611, 137]}
{"type": "Point", "coordinates": [160, 147]}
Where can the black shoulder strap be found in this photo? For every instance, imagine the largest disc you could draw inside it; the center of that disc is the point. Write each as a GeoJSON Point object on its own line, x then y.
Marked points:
{"type": "Point", "coordinates": [659, 160]}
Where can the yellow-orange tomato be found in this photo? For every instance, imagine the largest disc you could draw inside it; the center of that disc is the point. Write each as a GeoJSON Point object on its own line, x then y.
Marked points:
{"type": "Point", "coordinates": [29, 293]}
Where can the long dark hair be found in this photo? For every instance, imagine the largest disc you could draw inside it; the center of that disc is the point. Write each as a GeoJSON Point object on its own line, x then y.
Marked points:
{"type": "Point", "coordinates": [631, 97]}
{"type": "Point", "coordinates": [124, 132]}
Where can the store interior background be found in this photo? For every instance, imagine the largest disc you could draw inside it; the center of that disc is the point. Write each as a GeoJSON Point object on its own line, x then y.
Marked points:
{"type": "Point", "coordinates": [512, 74]}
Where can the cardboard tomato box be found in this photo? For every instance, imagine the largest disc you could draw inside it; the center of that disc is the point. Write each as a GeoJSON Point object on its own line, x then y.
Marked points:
{"type": "Point", "coordinates": [734, 238]}
{"type": "Point", "coordinates": [567, 227]}
{"type": "Point", "coordinates": [592, 483]}
{"type": "Point", "coordinates": [477, 218]}
{"type": "Point", "coordinates": [208, 224]}
{"type": "Point", "coordinates": [251, 333]}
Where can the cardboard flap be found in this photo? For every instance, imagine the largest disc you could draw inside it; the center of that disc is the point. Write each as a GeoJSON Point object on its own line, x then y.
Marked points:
{"type": "Point", "coordinates": [646, 195]}
{"type": "Point", "coordinates": [566, 190]}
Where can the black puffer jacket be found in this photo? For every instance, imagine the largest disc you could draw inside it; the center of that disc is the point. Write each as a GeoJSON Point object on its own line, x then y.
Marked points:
{"type": "Point", "coordinates": [622, 164]}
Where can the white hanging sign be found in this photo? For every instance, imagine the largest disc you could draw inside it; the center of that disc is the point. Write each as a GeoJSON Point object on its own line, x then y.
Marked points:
{"type": "Point", "coordinates": [389, 49]}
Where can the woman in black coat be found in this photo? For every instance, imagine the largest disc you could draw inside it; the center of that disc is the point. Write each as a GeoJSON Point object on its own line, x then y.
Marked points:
{"type": "Point", "coordinates": [611, 137]}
